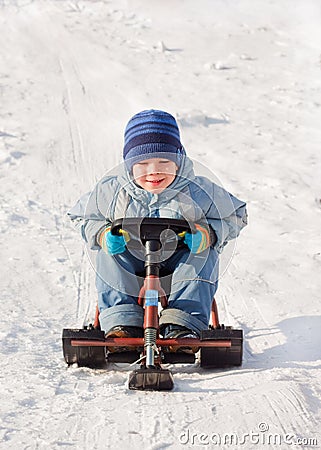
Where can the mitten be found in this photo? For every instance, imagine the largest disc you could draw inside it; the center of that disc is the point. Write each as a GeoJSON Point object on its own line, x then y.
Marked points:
{"type": "Point", "coordinates": [199, 241]}
{"type": "Point", "coordinates": [113, 243]}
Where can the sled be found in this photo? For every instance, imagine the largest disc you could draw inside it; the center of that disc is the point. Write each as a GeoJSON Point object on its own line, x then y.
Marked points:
{"type": "Point", "coordinates": [219, 346]}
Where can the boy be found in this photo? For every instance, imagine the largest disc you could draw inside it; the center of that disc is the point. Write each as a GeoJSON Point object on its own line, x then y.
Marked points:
{"type": "Point", "coordinates": [157, 180]}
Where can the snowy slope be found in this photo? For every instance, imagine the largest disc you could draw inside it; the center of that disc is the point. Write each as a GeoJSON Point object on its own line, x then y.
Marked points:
{"type": "Point", "coordinates": [243, 79]}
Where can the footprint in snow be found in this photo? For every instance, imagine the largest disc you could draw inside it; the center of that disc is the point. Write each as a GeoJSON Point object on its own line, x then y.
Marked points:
{"type": "Point", "coordinates": [18, 219]}
{"type": "Point", "coordinates": [201, 119]}
{"type": "Point", "coordinates": [4, 134]}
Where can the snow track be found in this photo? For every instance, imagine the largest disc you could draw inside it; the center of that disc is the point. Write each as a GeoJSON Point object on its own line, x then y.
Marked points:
{"type": "Point", "coordinates": [243, 78]}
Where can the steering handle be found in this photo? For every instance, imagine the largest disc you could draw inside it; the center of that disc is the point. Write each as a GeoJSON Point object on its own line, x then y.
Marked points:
{"type": "Point", "coordinates": [148, 228]}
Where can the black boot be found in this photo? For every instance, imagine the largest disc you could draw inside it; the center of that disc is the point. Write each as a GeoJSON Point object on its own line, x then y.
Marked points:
{"type": "Point", "coordinates": [173, 331]}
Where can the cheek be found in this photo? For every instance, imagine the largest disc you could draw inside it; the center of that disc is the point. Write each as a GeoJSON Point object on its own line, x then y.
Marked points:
{"type": "Point", "coordinates": [172, 169]}
{"type": "Point", "coordinates": [137, 172]}
{"type": "Point", "coordinates": [172, 178]}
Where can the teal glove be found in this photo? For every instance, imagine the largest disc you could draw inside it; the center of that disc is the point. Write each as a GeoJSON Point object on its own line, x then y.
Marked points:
{"type": "Point", "coordinates": [199, 241]}
{"type": "Point", "coordinates": [112, 243]}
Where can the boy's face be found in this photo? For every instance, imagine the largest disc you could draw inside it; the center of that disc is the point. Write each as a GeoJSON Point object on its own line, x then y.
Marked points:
{"type": "Point", "coordinates": [155, 174]}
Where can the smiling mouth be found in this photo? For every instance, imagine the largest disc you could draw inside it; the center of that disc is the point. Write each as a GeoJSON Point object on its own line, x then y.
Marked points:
{"type": "Point", "coordinates": [155, 181]}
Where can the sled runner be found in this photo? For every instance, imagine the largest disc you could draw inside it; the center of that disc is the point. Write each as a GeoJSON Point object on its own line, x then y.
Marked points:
{"type": "Point", "coordinates": [219, 346]}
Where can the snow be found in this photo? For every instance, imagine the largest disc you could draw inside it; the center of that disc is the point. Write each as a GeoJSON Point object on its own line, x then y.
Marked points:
{"type": "Point", "coordinates": [243, 79]}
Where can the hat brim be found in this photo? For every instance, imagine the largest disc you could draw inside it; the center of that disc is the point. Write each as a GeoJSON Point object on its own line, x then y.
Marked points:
{"type": "Point", "coordinates": [157, 150]}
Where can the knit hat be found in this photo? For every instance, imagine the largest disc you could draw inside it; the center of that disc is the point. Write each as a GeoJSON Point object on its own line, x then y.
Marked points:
{"type": "Point", "coordinates": [152, 134]}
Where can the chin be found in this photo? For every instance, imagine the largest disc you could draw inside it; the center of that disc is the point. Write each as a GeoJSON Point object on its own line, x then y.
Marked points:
{"type": "Point", "coordinates": [155, 191]}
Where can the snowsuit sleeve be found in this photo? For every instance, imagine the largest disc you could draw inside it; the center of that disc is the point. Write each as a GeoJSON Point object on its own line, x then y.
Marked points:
{"type": "Point", "coordinates": [225, 213]}
{"type": "Point", "coordinates": [91, 214]}
{"type": "Point", "coordinates": [228, 228]}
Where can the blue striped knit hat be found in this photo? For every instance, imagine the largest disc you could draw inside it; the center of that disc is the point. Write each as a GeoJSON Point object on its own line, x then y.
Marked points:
{"type": "Point", "coordinates": [152, 134]}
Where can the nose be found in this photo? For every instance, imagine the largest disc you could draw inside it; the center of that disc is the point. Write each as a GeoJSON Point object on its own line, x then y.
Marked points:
{"type": "Point", "coordinates": [153, 167]}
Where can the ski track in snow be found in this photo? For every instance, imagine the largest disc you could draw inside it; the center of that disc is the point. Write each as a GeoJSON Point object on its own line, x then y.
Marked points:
{"type": "Point", "coordinates": [244, 81]}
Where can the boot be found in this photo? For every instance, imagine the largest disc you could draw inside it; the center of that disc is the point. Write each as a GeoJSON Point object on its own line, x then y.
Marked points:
{"type": "Point", "coordinates": [124, 332]}
{"type": "Point", "coordinates": [173, 331]}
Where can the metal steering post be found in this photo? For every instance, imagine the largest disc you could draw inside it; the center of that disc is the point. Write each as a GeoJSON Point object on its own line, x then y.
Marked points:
{"type": "Point", "coordinates": [151, 295]}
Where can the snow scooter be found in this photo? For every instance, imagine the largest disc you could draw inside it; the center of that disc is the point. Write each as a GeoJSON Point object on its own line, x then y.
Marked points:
{"type": "Point", "coordinates": [219, 346]}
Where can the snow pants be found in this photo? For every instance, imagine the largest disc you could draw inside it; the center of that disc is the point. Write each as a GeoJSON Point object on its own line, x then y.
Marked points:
{"type": "Point", "coordinates": [194, 280]}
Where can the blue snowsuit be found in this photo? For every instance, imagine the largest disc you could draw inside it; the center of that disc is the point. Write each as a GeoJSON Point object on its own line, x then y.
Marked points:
{"type": "Point", "coordinates": [194, 276]}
